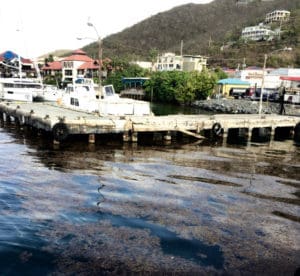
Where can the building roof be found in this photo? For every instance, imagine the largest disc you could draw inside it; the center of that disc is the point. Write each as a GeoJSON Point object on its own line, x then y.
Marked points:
{"type": "Point", "coordinates": [89, 65]}
{"type": "Point", "coordinates": [78, 55]}
{"type": "Point", "coordinates": [9, 55]}
{"type": "Point", "coordinates": [233, 81]}
{"type": "Point", "coordinates": [290, 78]}
{"type": "Point", "coordinates": [134, 80]}
{"type": "Point", "coordinates": [55, 65]}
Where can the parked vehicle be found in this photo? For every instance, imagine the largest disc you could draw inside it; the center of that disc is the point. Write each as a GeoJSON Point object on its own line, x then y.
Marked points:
{"type": "Point", "coordinates": [237, 93]}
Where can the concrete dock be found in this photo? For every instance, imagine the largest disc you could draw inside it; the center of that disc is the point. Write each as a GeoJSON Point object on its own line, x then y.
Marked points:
{"type": "Point", "coordinates": [62, 122]}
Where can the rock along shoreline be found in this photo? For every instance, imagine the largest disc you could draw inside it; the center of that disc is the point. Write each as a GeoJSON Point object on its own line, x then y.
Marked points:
{"type": "Point", "coordinates": [232, 106]}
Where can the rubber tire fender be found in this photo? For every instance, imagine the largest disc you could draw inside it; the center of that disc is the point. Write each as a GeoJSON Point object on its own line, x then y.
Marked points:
{"type": "Point", "coordinates": [297, 133]}
{"type": "Point", "coordinates": [60, 132]}
{"type": "Point", "coordinates": [217, 129]}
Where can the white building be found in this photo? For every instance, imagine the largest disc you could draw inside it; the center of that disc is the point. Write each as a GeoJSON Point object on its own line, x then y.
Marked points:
{"type": "Point", "coordinates": [277, 16]}
{"type": "Point", "coordinates": [168, 62]}
{"type": "Point", "coordinates": [272, 80]}
{"type": "Point", "coordinates": [193, 63]}
{"type": "Point", "coordinates": [187, 63]}
{"type": "Point", "coordinates": [259, 32]}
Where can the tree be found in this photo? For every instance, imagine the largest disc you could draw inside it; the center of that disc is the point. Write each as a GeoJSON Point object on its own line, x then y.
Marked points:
{"type": "Point", "coordinates": [180, 87]}
{"type": "Point", "coordinates": [153, 53]}
{"type": "Point", "coordinates": [49, 59]}
{"type": "Point", "coordinates": [122, 68]}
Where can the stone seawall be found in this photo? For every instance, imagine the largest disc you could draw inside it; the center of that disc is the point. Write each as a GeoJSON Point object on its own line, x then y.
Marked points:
{"type": "Point", "coordinates": [231, 106]}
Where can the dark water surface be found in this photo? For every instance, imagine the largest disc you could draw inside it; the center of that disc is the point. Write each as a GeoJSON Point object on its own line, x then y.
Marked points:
{"type": "Point", "coordinates": [115, 209]}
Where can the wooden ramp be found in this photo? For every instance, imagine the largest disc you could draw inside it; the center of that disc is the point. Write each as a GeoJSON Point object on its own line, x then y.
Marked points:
{"type": "Point", "coordinates": [62, 122]}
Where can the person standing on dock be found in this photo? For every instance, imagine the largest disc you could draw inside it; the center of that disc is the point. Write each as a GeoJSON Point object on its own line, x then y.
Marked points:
{"type": "Point", "coordinates": [281, 100]}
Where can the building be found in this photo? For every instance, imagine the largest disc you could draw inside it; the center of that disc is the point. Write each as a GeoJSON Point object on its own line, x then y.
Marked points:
{"type": "Point", "coordinates": [169, 62]}
{"type": "Point", "coordinates": [256, 33]}
{"type": "Point", "coordinates": [272, 77]}
{"type": "Point", "coordinates": [187, 63]}
{"type": "Point", "coordinates": [243, 2]}
{"type": "Point", "coordinates": [277, 16]}
{"type": "Point", "coordinates": [52, 68]}
{"type": "Point", "coordinates": [77, 64]}
{"type": "Point", "coordinates": [193, 63]}
{"type": "Point", "coordinates": [9, 65]}
{"type": "Point", "coordinates": [226, 86]}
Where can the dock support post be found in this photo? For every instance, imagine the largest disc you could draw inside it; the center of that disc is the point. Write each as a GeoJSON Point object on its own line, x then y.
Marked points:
{"type": "Point", "coordinates": [292, 133]}
{"type": "Point", "coordinates": [92, 139]}
{"type": "Point", "coordinates": [167, 136]}
{"type": "Point", "coordinates": [4, 116]}
{"type": "Point", "coordinates": [56, 143]}
{"type": "Point", "coordinates": [134, 137]}
{"type": "Point", "coordinates": [272, 135]}
{"type": "Point", "coordinates": [8, 119]}
{"type": "Point", "coordinates": [225, 135]}
{"type": "Point", "coordinates": [126, 136]}
{"type": "Point", "coordinates": [249, 134]}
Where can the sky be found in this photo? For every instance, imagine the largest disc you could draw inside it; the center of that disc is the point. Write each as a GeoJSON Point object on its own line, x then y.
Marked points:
{"type": "Point", "coordinates": [32, 28]}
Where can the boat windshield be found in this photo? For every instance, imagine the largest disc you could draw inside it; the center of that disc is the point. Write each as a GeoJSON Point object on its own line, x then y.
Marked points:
{"type": "Point", "coordinates": [109, 91]}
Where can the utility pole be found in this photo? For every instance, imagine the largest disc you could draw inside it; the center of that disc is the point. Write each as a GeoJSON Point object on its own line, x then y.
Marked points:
{"type": "Point", "coordinates": [262, 84]}
{"type": "Point", "coordinates": [181, 48]}
{"type": "Point", "coordinates": [209, 42]}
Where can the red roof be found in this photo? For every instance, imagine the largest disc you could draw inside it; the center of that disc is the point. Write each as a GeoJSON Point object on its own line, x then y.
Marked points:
{"type": "Point", "coordinates": [89, 65]}
{"type": "Point", "coordinates": [290, 78]}
{"type": "Point", "coordinates": [26, 60]}
{"type": "Point", "coordinates": [78, 58]}
{"type": "Point", "coordinates": [55, 65]}
{"type": "Point", "coordinates": [79, 52]}
{"type": "Point", "coordinates": [78, 55]}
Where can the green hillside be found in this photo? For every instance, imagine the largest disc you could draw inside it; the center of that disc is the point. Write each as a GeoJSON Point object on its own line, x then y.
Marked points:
{"type": "Point", "coordinates": [203, 30]}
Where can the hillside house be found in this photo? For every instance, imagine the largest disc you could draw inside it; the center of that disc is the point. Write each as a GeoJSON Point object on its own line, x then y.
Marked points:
{"type": "Point", "coordinates": [187, 63]}
{"type": "Point", "coordinates": [277, 16]}
{"type": "Point", "coordinates": [256, 33]}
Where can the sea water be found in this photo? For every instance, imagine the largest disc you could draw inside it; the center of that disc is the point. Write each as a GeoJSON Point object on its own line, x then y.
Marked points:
{"type": "Point", "coordinates": [115, 208]}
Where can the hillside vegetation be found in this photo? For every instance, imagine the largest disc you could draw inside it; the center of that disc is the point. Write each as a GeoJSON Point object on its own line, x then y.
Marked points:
{"type": "Point", "coordinates": [203, 30]}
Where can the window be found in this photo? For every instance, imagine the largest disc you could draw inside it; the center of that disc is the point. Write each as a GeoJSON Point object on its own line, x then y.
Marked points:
{"type": "Point", "coordinates": [109, 91]}
{"type": "Point", "coordinates": [68, 64]}
{"type": "Point", "coordinates": [74, 101]}
{"type": "Point", "coordinates": [68, 72]}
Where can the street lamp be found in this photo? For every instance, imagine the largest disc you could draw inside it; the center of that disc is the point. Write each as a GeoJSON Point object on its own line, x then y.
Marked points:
{"type": "Point", "coordinates": [99, 52]}
{"type": "Point", "coordinates": [263, 75]}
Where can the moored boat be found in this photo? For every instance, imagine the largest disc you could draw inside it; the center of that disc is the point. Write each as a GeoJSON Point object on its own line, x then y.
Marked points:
{"type": "Point", "coordinates": [19, 89]}
{"type": "Point", "coordinates": [82, 95]}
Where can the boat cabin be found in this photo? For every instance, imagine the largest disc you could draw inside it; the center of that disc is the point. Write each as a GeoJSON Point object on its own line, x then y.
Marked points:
{"type": "Point", "coordinates": [82, 96]}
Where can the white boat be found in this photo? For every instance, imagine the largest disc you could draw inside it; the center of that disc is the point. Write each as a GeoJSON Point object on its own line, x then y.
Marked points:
{"type": "Point", "coordinates": [49, 93]}
{"type": "Point", "coordinates": [19, 89]}
{"type": "Point", "coordinates": [83, 96]}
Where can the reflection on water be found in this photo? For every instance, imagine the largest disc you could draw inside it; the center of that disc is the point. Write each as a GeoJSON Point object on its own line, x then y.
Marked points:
{"type": "Point", "coordinates": [119, 208]}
